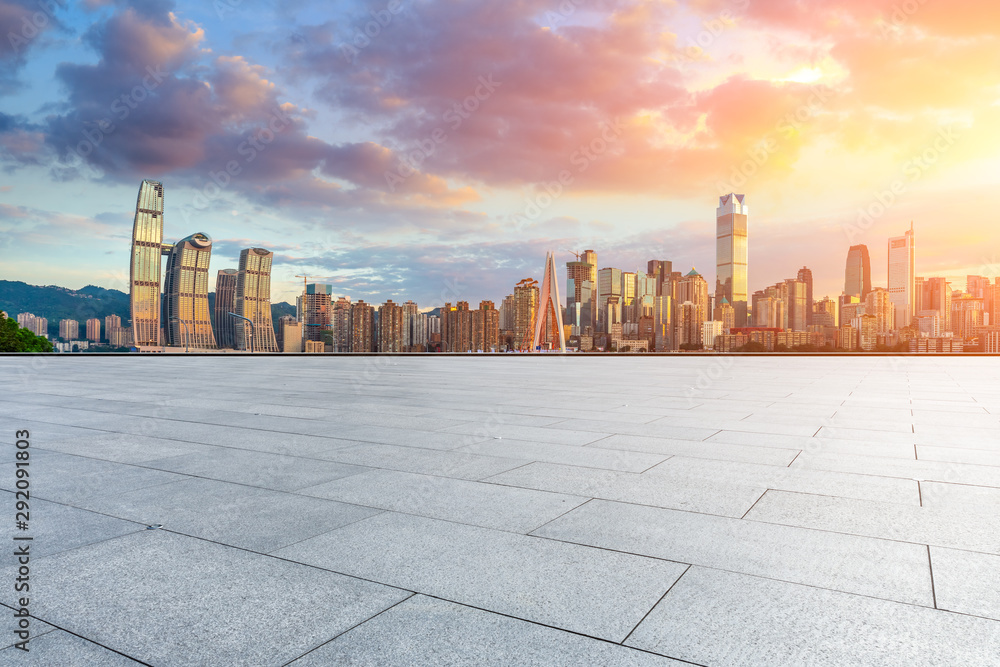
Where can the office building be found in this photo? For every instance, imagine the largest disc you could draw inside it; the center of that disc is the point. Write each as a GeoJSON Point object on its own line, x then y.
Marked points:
{"type": "Point", "coordinates": [826, 312]}
{"type": "Point", "coordinates": [731, 254]}
{"type": "Point", "coordinates": [144, 269]}
{"type": "Point", "coordinates": [253, 301]}
{"type": "Point", "coordinates": [291, 334]}
{"type": "Point", "coordinates": [317, 315]}
{"type": "Point", "coordinates": [967, 315]}
{"type": "Point", "coordinates": [935, 294]}
{"type": "Point", "coordinates": [525, 304]}
{"type": "Point", "coordinates": [796, 305]}
{"type": "Point", "coordinates": [225, 303]}
{"type": "Point", "coordinates": [901, 277]}
{"type": "Point", "coordinates": [187, 321]}
{"type": "Point", "coordinates": [805, 275]}
{"type": "Point", "coordinates": [858, 273]}
{"type": "Point", "coordinates": [581, 292]}
{"type": "Point", "coordinates": [609, 284]}
{"type": "Point", "coordinates": [725, 315]}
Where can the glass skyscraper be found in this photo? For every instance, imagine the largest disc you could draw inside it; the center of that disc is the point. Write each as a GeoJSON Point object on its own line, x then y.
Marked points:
{"type": "Point", "coordinates": [253, 300]}
{"type": "Point", "coordinates": [187, 321]}
{"type": "Point", "coordinates": [731, 254]}
{"type": "Point", "coordinates": [902, 277]}
{"type": "Point", "coordinates": [144, 272]}
{"type": "Point", "coordinates": [858, 273]}
{"type": "Point", "coordinates": [225, 303]}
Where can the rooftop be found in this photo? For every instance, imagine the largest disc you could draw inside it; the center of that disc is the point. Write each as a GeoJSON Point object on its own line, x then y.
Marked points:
{"type": "Point", "coordinates": [507, 510]}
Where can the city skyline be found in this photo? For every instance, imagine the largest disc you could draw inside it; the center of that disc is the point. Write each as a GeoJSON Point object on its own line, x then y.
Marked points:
{"type": "Point", "coordinates": [274, 149]}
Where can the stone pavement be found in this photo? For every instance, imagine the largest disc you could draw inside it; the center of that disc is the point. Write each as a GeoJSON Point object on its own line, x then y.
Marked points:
{"type": "Point", "coordinates": [505, 510]}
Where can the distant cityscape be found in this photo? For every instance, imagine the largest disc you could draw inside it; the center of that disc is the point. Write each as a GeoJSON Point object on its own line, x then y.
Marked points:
{"type": "Point", "coordinates": [605, 309]}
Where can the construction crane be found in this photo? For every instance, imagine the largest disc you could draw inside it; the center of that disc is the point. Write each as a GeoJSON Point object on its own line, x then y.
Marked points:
{"type": "Point", "coordinates": [575, 254]}
{"type": "Point", "coordinates": [305, 279]}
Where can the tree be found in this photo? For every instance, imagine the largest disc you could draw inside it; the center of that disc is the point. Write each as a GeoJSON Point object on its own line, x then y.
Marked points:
{"type": "Point", "coordinates": [15, 339]}
{"type": "Point", "coordinates": [752, 346]}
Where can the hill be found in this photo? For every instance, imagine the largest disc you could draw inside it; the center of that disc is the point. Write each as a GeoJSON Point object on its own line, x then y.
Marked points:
{"type": "Point", "coordinates": [59, 303]}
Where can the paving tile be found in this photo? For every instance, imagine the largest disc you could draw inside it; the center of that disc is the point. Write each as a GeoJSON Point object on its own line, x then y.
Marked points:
{"type": "Point", "coordinates": [960, 496]}
{"type": "Point", "coordinates": [487, 505]}
{"type": "Point", "coordinates": [270, 471]}
{"type": "Point", "coordinates": [879, 568]}
{"type": "Point", "coordinates": [961, 529]}
{"type": "Point", "coordinates": [967, 582]}
{"type": "Point", "coordinates": [461, 465]}
{"type": "Point", "coordinates": [55, 528]}
{"type": "Point", "coordinates": [850, 485]}
{"type": "Point", "coordinates": [559, 436]}
{"type": "Point", "coordinates": [698, 449]}
{"type": "Point", "coordinates": [935, 471]}
{"type": "Point", "coordinates": [828, 445]}
{"type": "Point", "coordinates": [167, 599]}
{"type": "Point", "coordinates": [526, 577]}
{"type": "Point", "coordinates": [711, 617]}
{"type": "Point", "coordinates": [423, 439]}
{"type": "Point", "coordinates": [122, 447]}
{"type": "Point", "coordinates": [981, 457]}
{"type": "Point", "coordinates": [704, 496]}
{"type": "Point", "coordinates": [425, 631]}
{"type": "Point", "coordinates": [590, 457]}
{"type": "Point", "coordinates": [66, 650]}
{"type": "Point", "coordinates": [233, 514]}
{"type": "Point", "coordinates": [660, 428]}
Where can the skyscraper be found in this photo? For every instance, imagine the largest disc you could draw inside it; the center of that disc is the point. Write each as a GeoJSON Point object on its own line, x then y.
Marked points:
{"type": "Point", "coordinates": [253, 300]}
{"type": "Point", "coordinates": [692, 308]}
{"type": "Point", "coordinates": [935, 294]}
{"type": "Point", "coordinates": [548, 318]}
{"type": "Point", "coordinates": [805, 275]}
{"type": "Point", "coordinates": [69, 329]}
{"type": "Point", "coordinates": [901, 277]}
{"type": "Point", "coordinates": [609, 284]}
{"type": "Point", "coordinates": [581, 293]}
{"type": "Point", "coordinates": [144, 271]}
{"type": "Point", "coordinates": [525, 305]}
{"type": "Point", "coordinates": [317, 315]}
{"type": "Point", "coordinates": [858, 273]}
{"type": "Point", "coordinates": [342, 324]}
{"type": "Point", "coordinates": [225, 303]}
{"type": "Point", "coordinates": [362, 327]}
{"type": "Point", "coordinates": [94, 330]}
{"type": "Point", "coordinates": [185, 294]}
{"type": "Point", "coordinates": [391, 335]}
{"type": "Point", "coordinates": [731, 254]}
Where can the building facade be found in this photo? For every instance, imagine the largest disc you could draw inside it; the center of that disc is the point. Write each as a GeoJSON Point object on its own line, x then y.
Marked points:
{"type": "Point", "coordinates": [94, 330]}
{"type": "Point", "coordinates": [225, 303]}
{"type": "Point", "coordinates": [858, 272]}
{"type": "Point", "coordinates": [731, 254]}
{"type": "Point", "coordinates": [185, 294]}
{"type": "Point", "coordinates": [144, 268]}
{"type": "Point", "coordinates": [902, 277]}
{"type": "Point", "coordinates": [253, 301]}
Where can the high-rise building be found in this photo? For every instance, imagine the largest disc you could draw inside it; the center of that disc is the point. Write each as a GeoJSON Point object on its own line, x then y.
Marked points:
{"type": "Point", "coordinates": [342, 324]}
{"type": "Point", "coordinates": [144, 270]}
{"type": "Point", "coordinates": [977, 286]}
{"type": "Point", "coordinates": [901, 277]}
{"type": "Point", "coordinates": [805, 275]}
{"type": "Point", "coordinates": [525, 305]}
{"type": "Point", "coordinates": [692, 308]}
{"type": "Point", "coordinates": [111, 322]}
{"type": "Point", "coordinates": [581, 294]}
{"type": "Point", "coordinates": [609, 284]}
{"type": "Point", "coordinates": [94, 330]}
{"type": "Point", "coordinates": [858, 274]}
{"type": "Point", "coordinates": [120, 337]}
{"type": "Point", "coordinates": [391, 337]}
{"type": "Point", "coordinates": [280, 333]}
{"type": "Point", "coordinates": [410, 312]}
{"type": "Point", "coordinates": [867, 329]}
{"type": "Point", "coordinates": [731, 254]}
{"type": "Point", "coordinates": [709, 330]}
{"type": "Point", "coordinates": [420, 332]}
{"type": "Point", "coordinates": [548, 319]}
{"type": "Point", "coordinates": [826, 312]}
{"type": "Point", "coordinates": [935, 294]}
{"type": "Point", "coordinates": [486, 327]}
{"type": "Point", "coordinates": [225, 303]}
{"type": "Point", "coordinates": [879, 305]}
{"type": "Point", "coordinates": [317, 316]}
{"type": "Point", "coordinates": [795, 309]}
{"type": "Point", "coordinates": [929, 324]}
{"type": "Point", "coordinates": [69, 329]}
{"type": "Point", "coordinates": [967, 315]}
{"type": "Point", "coordinates": [185, 294]}
{"type": "Point", "coordinates": [253, 301]}
{"type": "Point", "coordinates": [725, 315]}
{"type": "Point", "coordinates": [362, 327]}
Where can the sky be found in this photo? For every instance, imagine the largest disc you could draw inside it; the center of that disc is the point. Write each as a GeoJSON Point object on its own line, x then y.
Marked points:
{"type": "Point", "coordinates": [435, 150]}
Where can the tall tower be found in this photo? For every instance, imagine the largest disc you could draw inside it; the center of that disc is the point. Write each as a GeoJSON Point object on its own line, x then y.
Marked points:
{"type": "Point", "coordinates": [185, 294]}
{"type": "Point", "coordinates": [225, 303]}
{"type": "Point", "coordinates": [317, 311]}
{"type": "Point", "coordinates": [731, 254]}
{"type": "Point", "coordinates": [253, 300]}
{"type": "Point", "coordinates": [858, 273]}
{"type": "Point", "coordinates": [144, 271]}
{"type": "Point", "coordinates": [581, 292]}
{"type": "Point", "coordinates": [901, 277]}
{"type": "Point", "coordinates": [548, 316]}
{"type": "Point", "coordinates": [805, 275]}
